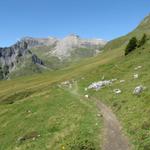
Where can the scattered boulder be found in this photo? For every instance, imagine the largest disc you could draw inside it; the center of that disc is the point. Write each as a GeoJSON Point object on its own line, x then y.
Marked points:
{"type": "Point", "coordinates": [85, 89]}
{"type": "Point", "coordinates": [138, 90]}
{"type": "Point", "coordinates": [138, 67]}
{"type": "Point", "coordinates": [135, 76]}
{"type": "Point", "coordinates": [98, 85]}
{"type": "Point", "coordinates": [28, 111]}
{"type": "Point", "coordinates": [67, 84]}
{"type": "Point", "coordinates": [117, 91]}
{"type": "Point", "coordinates": [122, 81]}
{"type": "Point", "coordinates": [99, 115]}
{"type": "Point", "coordinates": [113, 80]}
{"type": "Point", "coordinates": [31, 135]}
{"type": "Point", "coordinates": [86, 96]}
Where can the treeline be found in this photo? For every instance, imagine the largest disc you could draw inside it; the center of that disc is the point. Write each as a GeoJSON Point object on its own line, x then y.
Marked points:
{"type": "Point", "coordinates": [134, 43]}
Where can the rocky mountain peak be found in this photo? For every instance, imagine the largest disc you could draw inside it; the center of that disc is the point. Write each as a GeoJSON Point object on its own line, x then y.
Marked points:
{"type": "Point", "coordinates": [71, 42]}
{"type": "Point", "coordinates": [32, 49]}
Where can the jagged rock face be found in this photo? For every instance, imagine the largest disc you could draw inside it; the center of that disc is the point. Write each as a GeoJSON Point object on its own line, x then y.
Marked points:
{"type": "Point", "coordinates": [59, 48]}
{"type": "Point", "coordinates": [36, 60]}
{"type": "Point", "coordinates": [35, 42]}
{"type": "Point", "coordinates": [9, 56]}
{"type": "Point", "coordinates": [62, 48]}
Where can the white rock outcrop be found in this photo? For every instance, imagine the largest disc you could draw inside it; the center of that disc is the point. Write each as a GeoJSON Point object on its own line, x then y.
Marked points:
{"type": "Point", "coordinates": [99, 85]}
{"type": "Point", "coordinates": [65, 46]}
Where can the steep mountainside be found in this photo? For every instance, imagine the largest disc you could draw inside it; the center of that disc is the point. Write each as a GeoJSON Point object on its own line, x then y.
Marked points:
{"type": "Point", "coordinates": [45, 53]}
{"type": "Point", "coordinates": [11, 57]}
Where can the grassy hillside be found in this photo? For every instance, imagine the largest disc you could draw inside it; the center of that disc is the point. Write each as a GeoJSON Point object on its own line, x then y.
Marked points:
{"type": "Point", "coordinates": [133, 111]}
{"type": "Point", "coordinates": [143, 27]}
{"type": "Point", "coordinates": [37, 113]}
{"type": "Point", "coordinates": [36, 105]}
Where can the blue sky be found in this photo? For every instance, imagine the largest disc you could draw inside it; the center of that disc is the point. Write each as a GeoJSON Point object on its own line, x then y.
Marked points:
{"type": "Point", "coordinates": [105, 19]}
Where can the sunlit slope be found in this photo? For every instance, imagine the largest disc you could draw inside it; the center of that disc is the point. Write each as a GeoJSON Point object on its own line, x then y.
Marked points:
{"type": "Point", "coordinates": [35, 107]}
{"type": "Point", "coordinates": [46, 116]}
{"type": "Point", "coordinates": [132, 110]}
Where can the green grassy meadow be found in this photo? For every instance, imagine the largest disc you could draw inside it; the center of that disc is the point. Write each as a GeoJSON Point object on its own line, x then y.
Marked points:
{"type": "Point", "coordinates": [35, 113]}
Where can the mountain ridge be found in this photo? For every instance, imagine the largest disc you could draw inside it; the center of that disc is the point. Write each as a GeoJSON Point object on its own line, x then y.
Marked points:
{"type": "Point", "coordinates": [57, 51]}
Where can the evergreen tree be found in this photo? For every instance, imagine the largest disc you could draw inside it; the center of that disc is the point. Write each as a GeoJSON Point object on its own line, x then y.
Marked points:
{"type": "Point", "coordinates": [131, 45]}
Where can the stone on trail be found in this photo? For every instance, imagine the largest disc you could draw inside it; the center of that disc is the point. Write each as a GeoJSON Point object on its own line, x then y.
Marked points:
{"type": "Point", "coordinates": [99, 115]}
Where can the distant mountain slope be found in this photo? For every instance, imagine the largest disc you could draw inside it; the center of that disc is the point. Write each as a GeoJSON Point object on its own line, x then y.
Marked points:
{"type": "Point", "coordinates": [45, 53]}
{"type": "Point", "coordinates": [17, 55]}
{"type": "Point", "coordinates": [143, 27]}
{"type": "Point", "coordinates": [65, 46]}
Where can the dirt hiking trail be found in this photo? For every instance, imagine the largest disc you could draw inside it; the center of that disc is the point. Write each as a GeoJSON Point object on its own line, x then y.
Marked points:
{"type": "Point", "coordinates": [113, 137]}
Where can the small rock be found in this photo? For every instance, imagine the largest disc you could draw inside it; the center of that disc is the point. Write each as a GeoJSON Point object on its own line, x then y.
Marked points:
{"type": "Point", "coordinates": [117, 91]}
{"type": "Point", "coordinates": [28, 111]}
{"type": "Point", "coordinates": [103, 77]}
{"type": "Point", "coordinates": [113, 80]}
{"type": "Point", "coordinates": [99, 115]}
{"type": "Point", "coordinates": [20, 139]}
{"type": "Point", "coordinates": [138, 67]}
{"type": "Point", "coordinates": [33, 138]}
{"type": "Point", "coordinates": [86, 96]}
{"type": "Point", "coordinates": [70, 86]}
{"type": "Point", "coordinates": [31, 135]}
{"type": "Point", "coordinates": [135, 76]}
{"type": "Point", "coordinates": [138, 90]}
{"type": "Point", "coordinates": [122, 81]}
{"type": "Point", "coordinates": [85, 89]}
